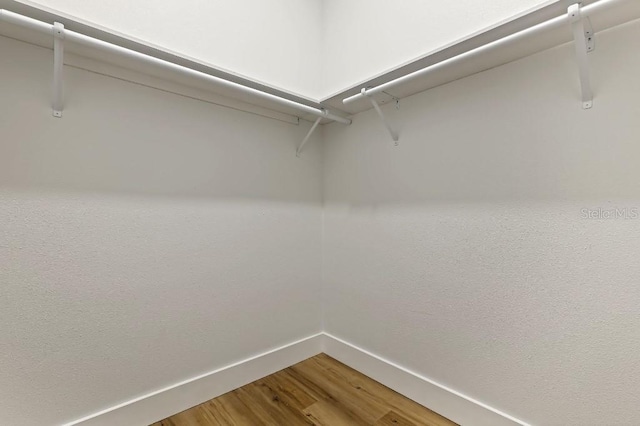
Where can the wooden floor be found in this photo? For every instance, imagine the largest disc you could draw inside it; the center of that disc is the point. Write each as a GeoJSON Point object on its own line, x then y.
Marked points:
{"type": "Point", "coordinates": [319, 391]}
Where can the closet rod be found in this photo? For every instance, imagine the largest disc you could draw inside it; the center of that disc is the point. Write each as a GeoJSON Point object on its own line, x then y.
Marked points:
{"type": "Point", "coordinates": [71, 36]}
{"type": "Point", "coordinates": [553, 23]}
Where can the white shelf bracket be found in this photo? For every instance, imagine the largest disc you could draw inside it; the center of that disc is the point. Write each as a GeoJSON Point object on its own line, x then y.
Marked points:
{"type": "Point", "coordinates": [306, 138]}
{"type": "Point", "coordinates": [58, 65]}
{"type": "Point", "coordinates": [584, 42]}
{"type": "Point", "coordinates": [392, 133]}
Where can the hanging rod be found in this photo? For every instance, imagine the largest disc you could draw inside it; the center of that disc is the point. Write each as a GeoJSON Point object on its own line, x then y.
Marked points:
{"type": "Point", "coordinates": [553, 23]}
{"type": "Point", "coordinates": [72, 36]}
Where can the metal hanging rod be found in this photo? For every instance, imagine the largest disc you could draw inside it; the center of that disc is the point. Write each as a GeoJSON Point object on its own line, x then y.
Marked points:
{"type": "Point", "coordinates": [63, 35]}
{"type": "Point", "coordinates": [569, 18]}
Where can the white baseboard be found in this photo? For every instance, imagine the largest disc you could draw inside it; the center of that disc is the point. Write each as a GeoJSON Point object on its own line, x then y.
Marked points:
{"type": "Point", "coordinates": [165, 402]}
{"type": "Point", "coordinates": [439, 398]}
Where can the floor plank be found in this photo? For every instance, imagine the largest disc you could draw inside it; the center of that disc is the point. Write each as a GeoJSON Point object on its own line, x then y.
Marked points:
{"type": "Point", "coordinates": [369, 389]}
{"type": "Point", "coordinates": [394, 419]}
{"type": "Point", "coordinates": [319, 391]}
{"type": "Point", "coordinates": [348, 397]}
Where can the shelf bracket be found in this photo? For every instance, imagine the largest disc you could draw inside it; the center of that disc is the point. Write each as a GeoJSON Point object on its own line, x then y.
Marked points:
{"type": "Point", "coordinates": [306, 138]}
{"type": "Point", "coordinates": [58, 65]}
{"type": "Point", "coordinates": [392, 133]}
{"type": "Point", "coordinates": [584, 42]}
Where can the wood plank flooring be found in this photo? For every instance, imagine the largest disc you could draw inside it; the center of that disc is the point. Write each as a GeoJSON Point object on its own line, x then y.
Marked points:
{"type": "Point", "coordinates": [319, 391]}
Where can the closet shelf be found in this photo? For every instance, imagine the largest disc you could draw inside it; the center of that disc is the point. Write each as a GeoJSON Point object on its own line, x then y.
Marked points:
{"type": "Point", "coordinates": [534, 32]}
{"type": "Point", "coordinates": [62, 36]}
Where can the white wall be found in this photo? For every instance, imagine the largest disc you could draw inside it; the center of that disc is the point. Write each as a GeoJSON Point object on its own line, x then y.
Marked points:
{"type": "Point", "coordinates": [275, 42]}
{"type": "Point", "coordinates": [365, 38]}
{"type": "Point", "coordinates": [145, 238]}
{"type": "Point", "coordinates": [462, 254]}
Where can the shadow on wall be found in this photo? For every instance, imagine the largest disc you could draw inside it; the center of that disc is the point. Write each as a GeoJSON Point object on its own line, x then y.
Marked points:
{"type": "Point", "coordinates": [513, 133]}
{"type": "Point", "coordinates": [120, 137]}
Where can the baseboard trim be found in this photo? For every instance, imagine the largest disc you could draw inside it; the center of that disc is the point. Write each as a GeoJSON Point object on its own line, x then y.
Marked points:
{"type": "Point", "coordinates": [173, 399]}
{"type": "Point", "coordinates": [452, 404]}
{"type": "Point", "coordinates": [165, 402]}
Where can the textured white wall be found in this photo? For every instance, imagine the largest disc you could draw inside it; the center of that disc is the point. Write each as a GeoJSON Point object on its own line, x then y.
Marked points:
{"type": "Point", "coordinates": [462, 254]}
{"type": "Point", "coordinates": [364, 38]}
{"type": "Point", "coordinates": [275, 42]}
{"type": "Point", "coordinates": [145, 238]}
